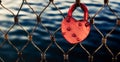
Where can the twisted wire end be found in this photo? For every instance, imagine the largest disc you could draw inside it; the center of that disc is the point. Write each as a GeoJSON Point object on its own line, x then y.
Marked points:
{"type": "Point", "coordinates": [106, 1]}
{"type": "Point", "coordinates": [51, 0]}
{"type": "Point", "coordinates": [77, 2]}
{"type": "Point", "coordinates": [0, 1]}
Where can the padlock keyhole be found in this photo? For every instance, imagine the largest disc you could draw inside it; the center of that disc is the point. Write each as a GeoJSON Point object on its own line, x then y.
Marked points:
{"type": "Point", "coordinates": [78, 14]}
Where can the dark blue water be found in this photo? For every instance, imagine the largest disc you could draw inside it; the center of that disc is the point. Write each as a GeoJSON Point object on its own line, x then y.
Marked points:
{"type": "Point", "coordinates": [51, 19]}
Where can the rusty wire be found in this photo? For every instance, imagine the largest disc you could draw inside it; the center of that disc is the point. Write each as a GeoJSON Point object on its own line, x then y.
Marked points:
{"type": "Point", "coordinates": [52, 35]}
{"type": "Point", "coordinates": [1, 60]}
{"type": "Point", "coordinates": [104, 38]}
{"type": "Point", "coordinates": [6, 36]}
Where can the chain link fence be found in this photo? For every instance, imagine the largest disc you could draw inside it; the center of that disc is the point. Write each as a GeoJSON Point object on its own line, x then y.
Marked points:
{"type": "Point", "coordinates": [41, 43]}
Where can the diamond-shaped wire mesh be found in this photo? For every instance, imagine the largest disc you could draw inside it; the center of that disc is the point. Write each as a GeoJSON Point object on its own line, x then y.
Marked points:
{"type": "Point", "coordinates": [31, 32]}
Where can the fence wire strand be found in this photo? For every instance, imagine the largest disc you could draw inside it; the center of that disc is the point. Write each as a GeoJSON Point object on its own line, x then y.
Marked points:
{"type": "Point", "coordinates": [52, 37]}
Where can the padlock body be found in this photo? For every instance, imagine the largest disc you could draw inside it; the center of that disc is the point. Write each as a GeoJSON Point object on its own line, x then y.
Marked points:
{"type": "Point", "coordinates": [75, 31]}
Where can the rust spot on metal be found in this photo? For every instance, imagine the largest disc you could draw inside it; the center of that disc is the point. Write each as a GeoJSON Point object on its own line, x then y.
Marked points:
{"type": "Point", "coordinates": [74, 35]}
{"type": "Point", "coordinates": [63, 33]}
{"type": "Point", "coordinates": [6, 36]}
{"type": "Point", "coordinates": [118, 22]}
{"type": "Point", "coordinates": [77, 39]}
{"type": "Point", "coordinates": [68, 19]}
{"type": "Point", "coordinates": [38, 19]}
{"type": "Point", "coordinates": [16, 19]}
{"type": "Point", "coordinates": [87, 24]}
{"type": "Point", "coordinates": [30, 37]}
{"type": "Point", "coordinates": [92, 21]}
{"type": "Point", "coordinates": [79, 24]}
{"type": "Point", "coordinates": [68, 29]}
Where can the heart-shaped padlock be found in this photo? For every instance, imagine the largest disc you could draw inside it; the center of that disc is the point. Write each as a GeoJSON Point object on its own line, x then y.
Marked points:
{"type": "Point", "coordinates": [75, 31]}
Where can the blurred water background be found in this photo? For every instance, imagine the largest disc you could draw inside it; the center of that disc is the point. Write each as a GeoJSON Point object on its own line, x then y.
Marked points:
{"type": "Point", "coordinates": [51, 18]}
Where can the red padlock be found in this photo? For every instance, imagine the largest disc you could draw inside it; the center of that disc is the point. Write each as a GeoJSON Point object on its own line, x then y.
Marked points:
{"type": "Point", "coordinates": [75, 31]}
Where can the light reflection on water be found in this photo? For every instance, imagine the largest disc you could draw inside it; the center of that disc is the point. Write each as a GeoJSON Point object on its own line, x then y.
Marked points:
{"type": "Point", "coordinates": [51, 18]}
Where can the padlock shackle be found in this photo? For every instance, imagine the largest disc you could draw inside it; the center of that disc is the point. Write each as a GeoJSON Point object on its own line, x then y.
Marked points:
{"type": "Point", "coordinates": [82, 6]}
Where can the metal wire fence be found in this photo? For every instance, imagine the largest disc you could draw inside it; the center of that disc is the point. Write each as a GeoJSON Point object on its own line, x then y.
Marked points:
{"type": "Point", "coordinates": [52, 35]}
